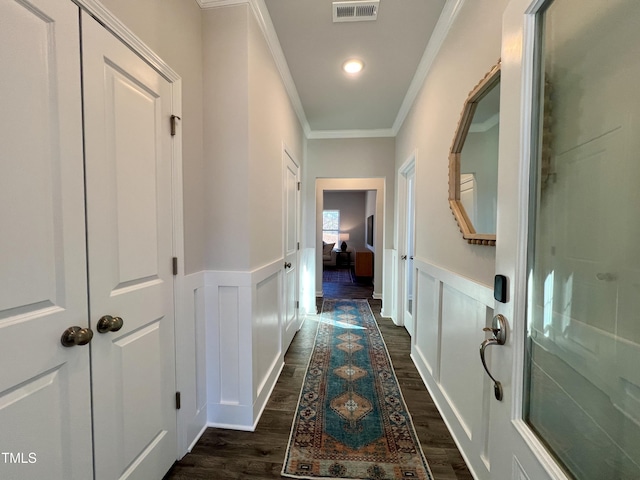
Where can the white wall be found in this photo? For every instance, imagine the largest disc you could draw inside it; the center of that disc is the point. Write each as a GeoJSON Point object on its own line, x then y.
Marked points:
{"type": "Point", "coordinates": [349, 158]}
{"type": "Point", "coordinates": [352, 216]}
{"type": "Point", "coordinates": [226, 145]}
{"type": "Point", "coordinates": [469, 51]}
{"type": "Point", "coordinates": [248, 122]}
{"type": "Point", "coordinates": [453, 280]}
{"type": "Point", "coordinates": [272, 124]}
{"type": "Point", "coordinates": [345, 160]}
{"type": "Point", "coordinates": [248, 119]}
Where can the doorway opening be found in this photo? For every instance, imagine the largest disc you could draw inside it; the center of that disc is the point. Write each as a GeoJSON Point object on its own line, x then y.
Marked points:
{"type": "Point", "coordinates": [343, 210]}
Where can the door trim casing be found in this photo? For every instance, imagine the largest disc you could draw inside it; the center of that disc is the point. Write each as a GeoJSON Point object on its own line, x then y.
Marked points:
{"type": "Point", "coordinates": [405, 169]}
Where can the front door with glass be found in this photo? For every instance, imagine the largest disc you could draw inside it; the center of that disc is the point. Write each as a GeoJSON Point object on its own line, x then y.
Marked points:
{"type": "Point", "coordinates": [567, 227]}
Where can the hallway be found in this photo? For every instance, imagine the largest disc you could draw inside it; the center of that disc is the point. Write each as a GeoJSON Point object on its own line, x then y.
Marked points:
{"type": "Point", "coordinates": [231, 455]}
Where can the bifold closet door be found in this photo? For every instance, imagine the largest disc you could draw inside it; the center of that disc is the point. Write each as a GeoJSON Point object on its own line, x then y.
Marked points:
{"type": "Point", "coordinates": [45, 417]}
{"type": "Point", "coordinates": [128, 164]}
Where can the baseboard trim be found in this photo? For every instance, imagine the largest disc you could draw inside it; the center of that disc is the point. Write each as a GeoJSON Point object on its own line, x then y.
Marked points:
{"type": "Point", "coordinates": [197, 438]}
{"type": "Point", "coordinates": [384, 314]}
{"type": "Point", "coordinates": [231, 426]}
{"type": "Point", "coordinates": [435, 394]}
{"type": "Point", "coordinates": [263, 399]}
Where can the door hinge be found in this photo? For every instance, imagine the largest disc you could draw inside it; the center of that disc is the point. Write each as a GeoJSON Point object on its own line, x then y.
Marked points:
{"type": "Point", "coordinates": [177, 400]}
{"type": "Point", "coordinates": [298, 245]}
{"type": "Point", "coordinates": [297, 303]}
{"type": "Point", "coordinates": [173, 124]}
{"type": "Point", "coordinates": [175, 265]}
{"type": "Point", "coordinates": [298, 186]}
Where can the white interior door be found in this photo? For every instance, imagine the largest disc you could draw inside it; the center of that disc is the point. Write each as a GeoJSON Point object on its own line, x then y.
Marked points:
{"type": "Point", "coordinates": [569, 366]}
{"type": "Point", "coordinates": [408, 174]}
{"type": "Point", "coordinates": [129, 228]}
{"type": "Point", "coordinates": [44, 387]}
{"type": "Point", "coordinates": [292, 322]}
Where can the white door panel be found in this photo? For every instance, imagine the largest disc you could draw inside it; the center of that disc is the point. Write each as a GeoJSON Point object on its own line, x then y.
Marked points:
{"type": "Point", "coordinates": [407, 182]}
{"type": "Point", "coordinates": [291, 319]}
{"type": "Point", "coordinates": [44, 387]}
{"type": "Point", "coordinates": [514, 452]}
{"type": "Point", "coordinates": [576, 306]}
{"type": "Point", "coordinates": [128, 163]}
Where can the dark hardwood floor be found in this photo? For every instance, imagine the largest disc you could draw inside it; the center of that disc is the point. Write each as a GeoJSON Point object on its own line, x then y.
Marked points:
{"type": "Point", "coordinates": [230, 455]}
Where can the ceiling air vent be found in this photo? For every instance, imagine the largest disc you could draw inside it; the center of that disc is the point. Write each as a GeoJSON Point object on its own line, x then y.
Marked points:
{"type": "Point", "coordinates": [355, 11]}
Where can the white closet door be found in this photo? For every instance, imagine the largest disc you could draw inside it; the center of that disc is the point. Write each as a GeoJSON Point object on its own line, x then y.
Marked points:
{"type": "Point", "coordinates": [45, 422]}
{"type": "Point", "coordinates": [291, 275]}
{"type": "Point", "coordinates": [130, 244]}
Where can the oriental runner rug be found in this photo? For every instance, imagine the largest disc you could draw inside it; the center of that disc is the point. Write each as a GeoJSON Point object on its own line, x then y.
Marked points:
{"type": "Point", "coordinates": [351, 421]}
{"type": "Point", "coordinates": [341, 275]}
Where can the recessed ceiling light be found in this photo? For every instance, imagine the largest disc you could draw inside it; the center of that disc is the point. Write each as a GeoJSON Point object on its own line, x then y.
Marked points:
{"type": "Point", "coordinates": [353, 66]}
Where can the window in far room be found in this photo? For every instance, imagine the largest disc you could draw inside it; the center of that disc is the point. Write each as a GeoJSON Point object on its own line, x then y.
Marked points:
{"type": "Point", "coordinates": [330, 226]}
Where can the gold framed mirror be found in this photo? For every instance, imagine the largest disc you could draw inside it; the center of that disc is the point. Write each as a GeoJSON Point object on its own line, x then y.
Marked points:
{"type": "Point", "coordinates": [473, 162]}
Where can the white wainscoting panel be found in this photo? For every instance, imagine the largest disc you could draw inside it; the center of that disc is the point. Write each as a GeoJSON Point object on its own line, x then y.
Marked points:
{"type": "Point", "coordinates": [268, 358]}
{"type": "Point", "coordinates": [389, 285]}
{"type": "Point", "coordinates": [308, 282]}
{"type": "Point", "coordinates": [461, 372]}
{"type": "Point", "coordinates": [451, 312]}
{"type": "Point", "coordinates": [191, 363]}
{"type": "Point", "coordinates": [428, 333]}
{"type": "Point", "coordinates": [244, 355]}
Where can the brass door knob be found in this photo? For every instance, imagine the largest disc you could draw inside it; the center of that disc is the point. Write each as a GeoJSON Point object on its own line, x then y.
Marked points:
{"type": "Point", "coordinates": [109, 324]}
{"type": "Point", "coordinates": [73, 336]}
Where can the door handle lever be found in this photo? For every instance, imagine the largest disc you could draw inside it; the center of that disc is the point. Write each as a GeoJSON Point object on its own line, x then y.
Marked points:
{"type": "Point", "coordinates": [499, 331]}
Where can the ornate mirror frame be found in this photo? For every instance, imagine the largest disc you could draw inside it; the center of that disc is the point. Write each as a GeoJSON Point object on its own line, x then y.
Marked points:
{"type": "Point", "coordinates": [490, 80]}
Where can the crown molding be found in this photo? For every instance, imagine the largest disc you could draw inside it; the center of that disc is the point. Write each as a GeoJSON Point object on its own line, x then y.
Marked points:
{"type": "Point", "coordinates": [98, 11]}
{"type": "Point", "coordinates": [440, 32]}
{"type": "Point", "coordinates": [489, 123]}
{"type": "Point", "coordinates": [372, 133]}
{"type": "Point", "coordinates": [261, 13]}
{"type": "Point", "coordinates": [264, 20]}
{"type": "Point", "coordinates": [204, 4]}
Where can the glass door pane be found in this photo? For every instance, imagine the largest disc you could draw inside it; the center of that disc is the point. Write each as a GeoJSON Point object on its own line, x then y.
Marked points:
{"type": "Point", "coordinates": [583, 326]}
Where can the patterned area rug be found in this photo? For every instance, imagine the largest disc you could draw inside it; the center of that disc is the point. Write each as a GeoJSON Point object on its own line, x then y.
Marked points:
{"type": "Point", "coordinates": [351, 421]}
{"type": "Point", "coordinates": [340, 275]}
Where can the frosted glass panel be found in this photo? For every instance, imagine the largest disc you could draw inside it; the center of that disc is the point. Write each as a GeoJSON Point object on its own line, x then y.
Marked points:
{"type": "Point", "coordinates": [583, 338]}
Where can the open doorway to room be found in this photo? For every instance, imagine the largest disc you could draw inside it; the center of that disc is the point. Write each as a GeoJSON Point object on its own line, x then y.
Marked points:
{"type": "Point", "coordinates": [347, 252]}
{"type": "Point", "coordinates": [349, 237]}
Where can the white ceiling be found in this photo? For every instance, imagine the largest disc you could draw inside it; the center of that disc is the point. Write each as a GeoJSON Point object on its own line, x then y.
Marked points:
{"type": "Point", "coordinates": [315, 49]}
{"type": "Point", "coordinates": [309, 49]}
